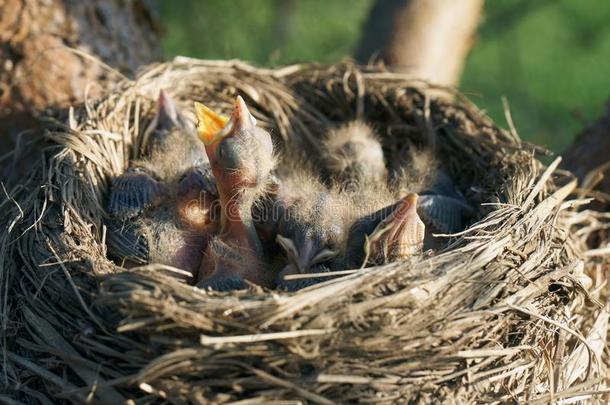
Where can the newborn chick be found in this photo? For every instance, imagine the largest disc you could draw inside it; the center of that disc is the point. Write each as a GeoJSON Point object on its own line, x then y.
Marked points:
{"type": "Point", "coordinates": [385, 230]}
{"type": "Point", "coordinates": [311, 221]}
{"type": "Point", "coordinates": [441, 206]}
{"type": "Point", "coordinates": [171, 152]}
{"type": "Point", "coordinates": [352, 156]}
{"type": "Point", "coordinates": [314, 219]}
{"type": "Point", "coordinates": [354, 159]}
{"type": "Point", "coordinates": [241, 158]}
{"type": "Point", "coordinates": [162, 207]}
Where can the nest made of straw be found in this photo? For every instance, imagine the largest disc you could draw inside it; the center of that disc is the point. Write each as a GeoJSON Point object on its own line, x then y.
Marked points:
{"type": "Point", "coordinates": [508, 313]}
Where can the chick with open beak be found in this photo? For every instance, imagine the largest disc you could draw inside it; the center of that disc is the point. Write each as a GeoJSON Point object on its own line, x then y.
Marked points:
{"type": "Point", "coordinates": [241, 158]}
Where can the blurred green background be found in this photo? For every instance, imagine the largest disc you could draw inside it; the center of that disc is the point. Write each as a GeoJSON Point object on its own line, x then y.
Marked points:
{"type": "Point", "coordinates": [550, 59]}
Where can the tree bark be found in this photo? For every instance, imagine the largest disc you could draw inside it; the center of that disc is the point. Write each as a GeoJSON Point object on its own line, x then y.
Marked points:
{"type": "Point", "coordinates": [426, 39]}
{"type": "Point", "coordinates": [39, 70]}
{"type": "Point", "coordinates": [590, 152]}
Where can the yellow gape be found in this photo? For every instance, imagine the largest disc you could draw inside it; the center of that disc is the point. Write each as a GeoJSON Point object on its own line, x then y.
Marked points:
{"type": "Point", "coordinates": [210, 124]}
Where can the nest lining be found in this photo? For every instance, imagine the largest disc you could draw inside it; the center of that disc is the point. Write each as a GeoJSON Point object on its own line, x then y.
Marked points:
{"type": "Point", "coordinates": [508, 313]}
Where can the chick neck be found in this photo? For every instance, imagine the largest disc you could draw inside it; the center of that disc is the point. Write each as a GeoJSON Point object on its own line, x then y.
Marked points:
{"type": "Point", "coordinates": [236, 222]}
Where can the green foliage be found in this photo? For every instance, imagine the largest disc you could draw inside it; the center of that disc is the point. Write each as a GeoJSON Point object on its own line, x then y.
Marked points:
{"type": "Point", "coordinates": [549, 58]}
{"type": "Point", "coordinates": [258, 31]}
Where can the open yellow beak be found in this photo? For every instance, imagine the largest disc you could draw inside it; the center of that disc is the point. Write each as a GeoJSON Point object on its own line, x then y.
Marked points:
{"type": "Point", "coordinates": [210, 124]}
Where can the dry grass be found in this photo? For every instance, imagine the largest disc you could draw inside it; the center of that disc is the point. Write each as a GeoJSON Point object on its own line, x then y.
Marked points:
{"type": "Point", "coordinates": [514, 311]}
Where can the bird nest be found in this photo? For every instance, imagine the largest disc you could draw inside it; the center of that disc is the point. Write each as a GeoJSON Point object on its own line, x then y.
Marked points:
{"type": "Point", "coordinates": [508, 311]}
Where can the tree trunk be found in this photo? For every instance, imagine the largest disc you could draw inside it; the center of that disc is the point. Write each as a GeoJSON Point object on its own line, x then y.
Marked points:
{"type": "Point", "coordinates": [590, 152]}
{"type": "Point", "coordinates": [39, 70]}
{"type": "Point", "coordinates": [426, 39]}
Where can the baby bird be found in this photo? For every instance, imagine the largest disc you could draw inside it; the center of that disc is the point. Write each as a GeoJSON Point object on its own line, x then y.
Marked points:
{"type": "Point", "coordinates": [354, 159]}
{"type": "Point", "coordinates": [441, 206]}
{"type": "Point", "coordinates": [171, 150]}
{"type": "Point", "coordinates": [352, 156]}
{"type": "Point", "coordinates": [311, 223]}
{"type": "Point", "coordinates": [315, 219]}
{"type": "Point", "coordinates": [163, 207]}
{"type": "Point", "coordinates": [241, 158]}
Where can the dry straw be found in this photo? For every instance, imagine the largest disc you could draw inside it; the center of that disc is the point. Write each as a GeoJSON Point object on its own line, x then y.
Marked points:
{"type": "Point", "coordinates": [513, 311]}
